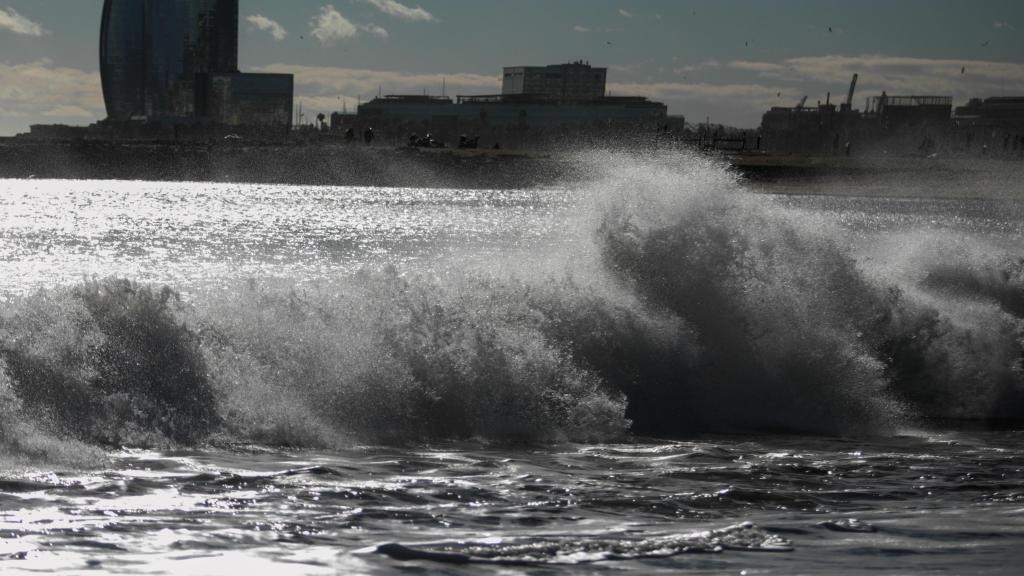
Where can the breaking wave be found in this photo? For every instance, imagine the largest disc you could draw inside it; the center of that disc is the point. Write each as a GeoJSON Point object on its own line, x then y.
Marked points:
{"type": "Point", "coordinates": [684, 305]}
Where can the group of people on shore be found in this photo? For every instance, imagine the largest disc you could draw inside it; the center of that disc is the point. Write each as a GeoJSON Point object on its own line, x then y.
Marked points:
{"type": "Point", "coordinates": [428, 141]}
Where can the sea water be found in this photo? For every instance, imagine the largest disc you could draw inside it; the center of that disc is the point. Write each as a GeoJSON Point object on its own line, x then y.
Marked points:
{"type": "Point", "coordinates": [659, 368]}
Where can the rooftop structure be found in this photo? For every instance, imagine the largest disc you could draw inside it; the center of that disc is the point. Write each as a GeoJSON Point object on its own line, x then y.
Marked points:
{"type": "Point", "coordinates": [563, 82]}
{"type": "Point", "coordinates": [521, 110]}
{"type": "Point", "coordinates": [898, 111]}
{"type": "Point", "coordinates": [1001, 109]}
{"type": "Point", "coordinates": [253, 99]}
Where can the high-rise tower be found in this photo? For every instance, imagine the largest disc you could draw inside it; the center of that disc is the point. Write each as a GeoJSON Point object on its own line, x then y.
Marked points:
{"type": "Point", "coordinates": [153, 51]}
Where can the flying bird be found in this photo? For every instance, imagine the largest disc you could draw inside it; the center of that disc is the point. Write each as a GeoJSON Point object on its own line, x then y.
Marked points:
{"type": "Point", "coordinates": [985, 43]}
{"type": "Point", "coordinates": [962, 68]}
{"type": "Point", "coordinates": [829, 28]}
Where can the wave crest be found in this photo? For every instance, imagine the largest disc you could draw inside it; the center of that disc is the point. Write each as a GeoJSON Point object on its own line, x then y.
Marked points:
{"type": "Point", "coordinates": [688, 305]}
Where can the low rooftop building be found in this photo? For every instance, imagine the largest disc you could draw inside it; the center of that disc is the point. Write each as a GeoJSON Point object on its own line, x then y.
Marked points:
{"type": "Point", "coordinates": [573, 81]}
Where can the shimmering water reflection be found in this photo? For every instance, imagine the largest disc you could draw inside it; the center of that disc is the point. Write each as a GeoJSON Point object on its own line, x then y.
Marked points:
{"type": "Point", "coordinates": [55, 232]}
{"type": "Point", "coordinates": [944, 503]}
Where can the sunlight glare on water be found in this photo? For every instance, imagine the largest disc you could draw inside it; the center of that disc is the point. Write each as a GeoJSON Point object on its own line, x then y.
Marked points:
{"type": "Point", "coordinates": [56, 232]}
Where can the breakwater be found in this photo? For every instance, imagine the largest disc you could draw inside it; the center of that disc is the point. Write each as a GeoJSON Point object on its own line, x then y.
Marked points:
{"type": "Point", "coordinates": [358, 165]}
{"type": "Point", "coordinates": [319, 164]}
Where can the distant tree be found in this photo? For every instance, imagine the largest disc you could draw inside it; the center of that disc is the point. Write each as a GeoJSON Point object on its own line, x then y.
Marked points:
{"type": "Point", "coordinates": [320, 118]}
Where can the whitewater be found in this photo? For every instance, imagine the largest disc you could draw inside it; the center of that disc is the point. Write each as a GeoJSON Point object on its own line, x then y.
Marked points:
{"type": "Point", "coordinates": [658, 367]}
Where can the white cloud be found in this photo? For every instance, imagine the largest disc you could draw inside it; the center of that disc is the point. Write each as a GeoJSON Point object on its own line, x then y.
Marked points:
{"type": "Point", "coordinates": [40, 92]}
{"type": "Point", "coordinates": [399, 10]}
{"type": "Point", "coordinates": [327, 104]}
{"type": "Point", "coordinates": [959, 78]}
{"type": "Point", "coordinates": [736, 104]}
{"type": "Point", "coordinates": [763, 68]}
{"type": "Point", "coordinates": [11, 20]}
{"type": "Point", "coordinates": [684, 90]}
{"type": "Point", "coordinates": [267, 25]}
{"type": "Point", "coordinates": [330, 26]}
{"type": "Point", "coordinates": [324, 84]}
{"type": "Point", "coordinates": [581, 29]}
{"type": "Point", "coordinates": [625, 14]}
{"type": "Point", "coordinates": [711, 64]}
{"type": "Point", "coordinates": [9, 113]}
{"type": "Point", "coordinates": [375, 30]}
{"type": "Point", "coordinates": [69, 111]}
{"type": "Point", "coordinates": [1003, 24]}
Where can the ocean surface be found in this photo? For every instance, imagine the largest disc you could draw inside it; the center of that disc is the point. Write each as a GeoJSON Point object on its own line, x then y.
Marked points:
{"type": "Point", "coordinates": [663, 368]}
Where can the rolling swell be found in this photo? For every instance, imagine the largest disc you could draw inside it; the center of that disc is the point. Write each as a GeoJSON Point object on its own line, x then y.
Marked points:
{"type": "Point", "coordinates": [687, 305]}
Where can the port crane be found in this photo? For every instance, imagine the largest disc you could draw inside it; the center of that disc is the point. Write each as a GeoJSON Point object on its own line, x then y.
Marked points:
{"type": "Point", "coordinates": [849, 97]}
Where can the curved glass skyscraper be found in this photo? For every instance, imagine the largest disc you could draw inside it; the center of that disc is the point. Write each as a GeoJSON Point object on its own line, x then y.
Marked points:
{"type": "Point", "coordinates": [152, 53]}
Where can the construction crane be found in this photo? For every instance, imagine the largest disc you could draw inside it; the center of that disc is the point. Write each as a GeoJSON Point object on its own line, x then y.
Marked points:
{"type": "Point", "coordinates": [849, 97]}
{"type": "Point", "coordinates": [800, 104]}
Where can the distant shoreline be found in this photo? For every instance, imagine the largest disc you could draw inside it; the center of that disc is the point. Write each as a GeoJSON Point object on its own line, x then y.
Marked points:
{"type": "Point", "coordinates": [330, 164]}
{"type": "Point", "coordinates": [360, 165]}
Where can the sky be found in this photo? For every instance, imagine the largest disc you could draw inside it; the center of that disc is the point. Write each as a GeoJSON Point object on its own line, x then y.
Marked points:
{"type": "Point", "coordinates": [727, 60]}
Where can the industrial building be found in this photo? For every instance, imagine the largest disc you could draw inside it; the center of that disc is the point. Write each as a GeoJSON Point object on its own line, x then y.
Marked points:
{"type": "Point", "coordinates": [248, 99]}
{"type": "Point", "coordinates": [999, 110]}
{"type": "Point", "coordinates": [888, 125]}
{"type": "Point", "coordinates": [897, 112]}
{"type": "Point", "coordinates": [532, 107]}
{"type": "Point", "coordinates": [575, 81]}
{"type": "Point", "coordinates": [803, 129]}
{"type": "Point", "coordinates": [177, 61]}
{"type": "Point", "coordinates": [518, 112]}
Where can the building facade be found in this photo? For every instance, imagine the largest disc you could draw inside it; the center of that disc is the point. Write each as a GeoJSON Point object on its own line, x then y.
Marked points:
{"type": "Point", "coordinates": [889, 125]}
{"type": "Point", "coordinates": [177, 60]}
{"type": "Point", "coordinates": [575, 81]}
{"type": "Point", "coordinates": [633, 112]}
{"type": "Point", "coordinates": [249, 99]}
{"type": "Point", "coordinates": [998, 110]}
{"type": "Point", "coordinates": [537, 105]}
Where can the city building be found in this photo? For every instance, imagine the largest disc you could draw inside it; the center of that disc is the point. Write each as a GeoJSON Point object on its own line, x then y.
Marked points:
{"type": "Point", "coordinates": [888, 125]}
{"type": "Point", "coordinates": [575, 81]}
{"type": "Point", "coordinates": [515, 111]}
{"type": "Point", "coordinates": [408, 107]}
{"type": "Point", "coordinates": [177, 61]}
{"type": "Point", "coordinates": [248, 99]}
{"type": "Point", "coordinates": [542, 100]}
{"type": "Point", "coordinates": [1001, 110]}
{"type": "Point", "coordinates": [909, 111]}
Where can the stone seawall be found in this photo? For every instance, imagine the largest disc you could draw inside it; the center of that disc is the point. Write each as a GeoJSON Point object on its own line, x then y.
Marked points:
{"type": "Point", "coordinates": [351, 165]}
